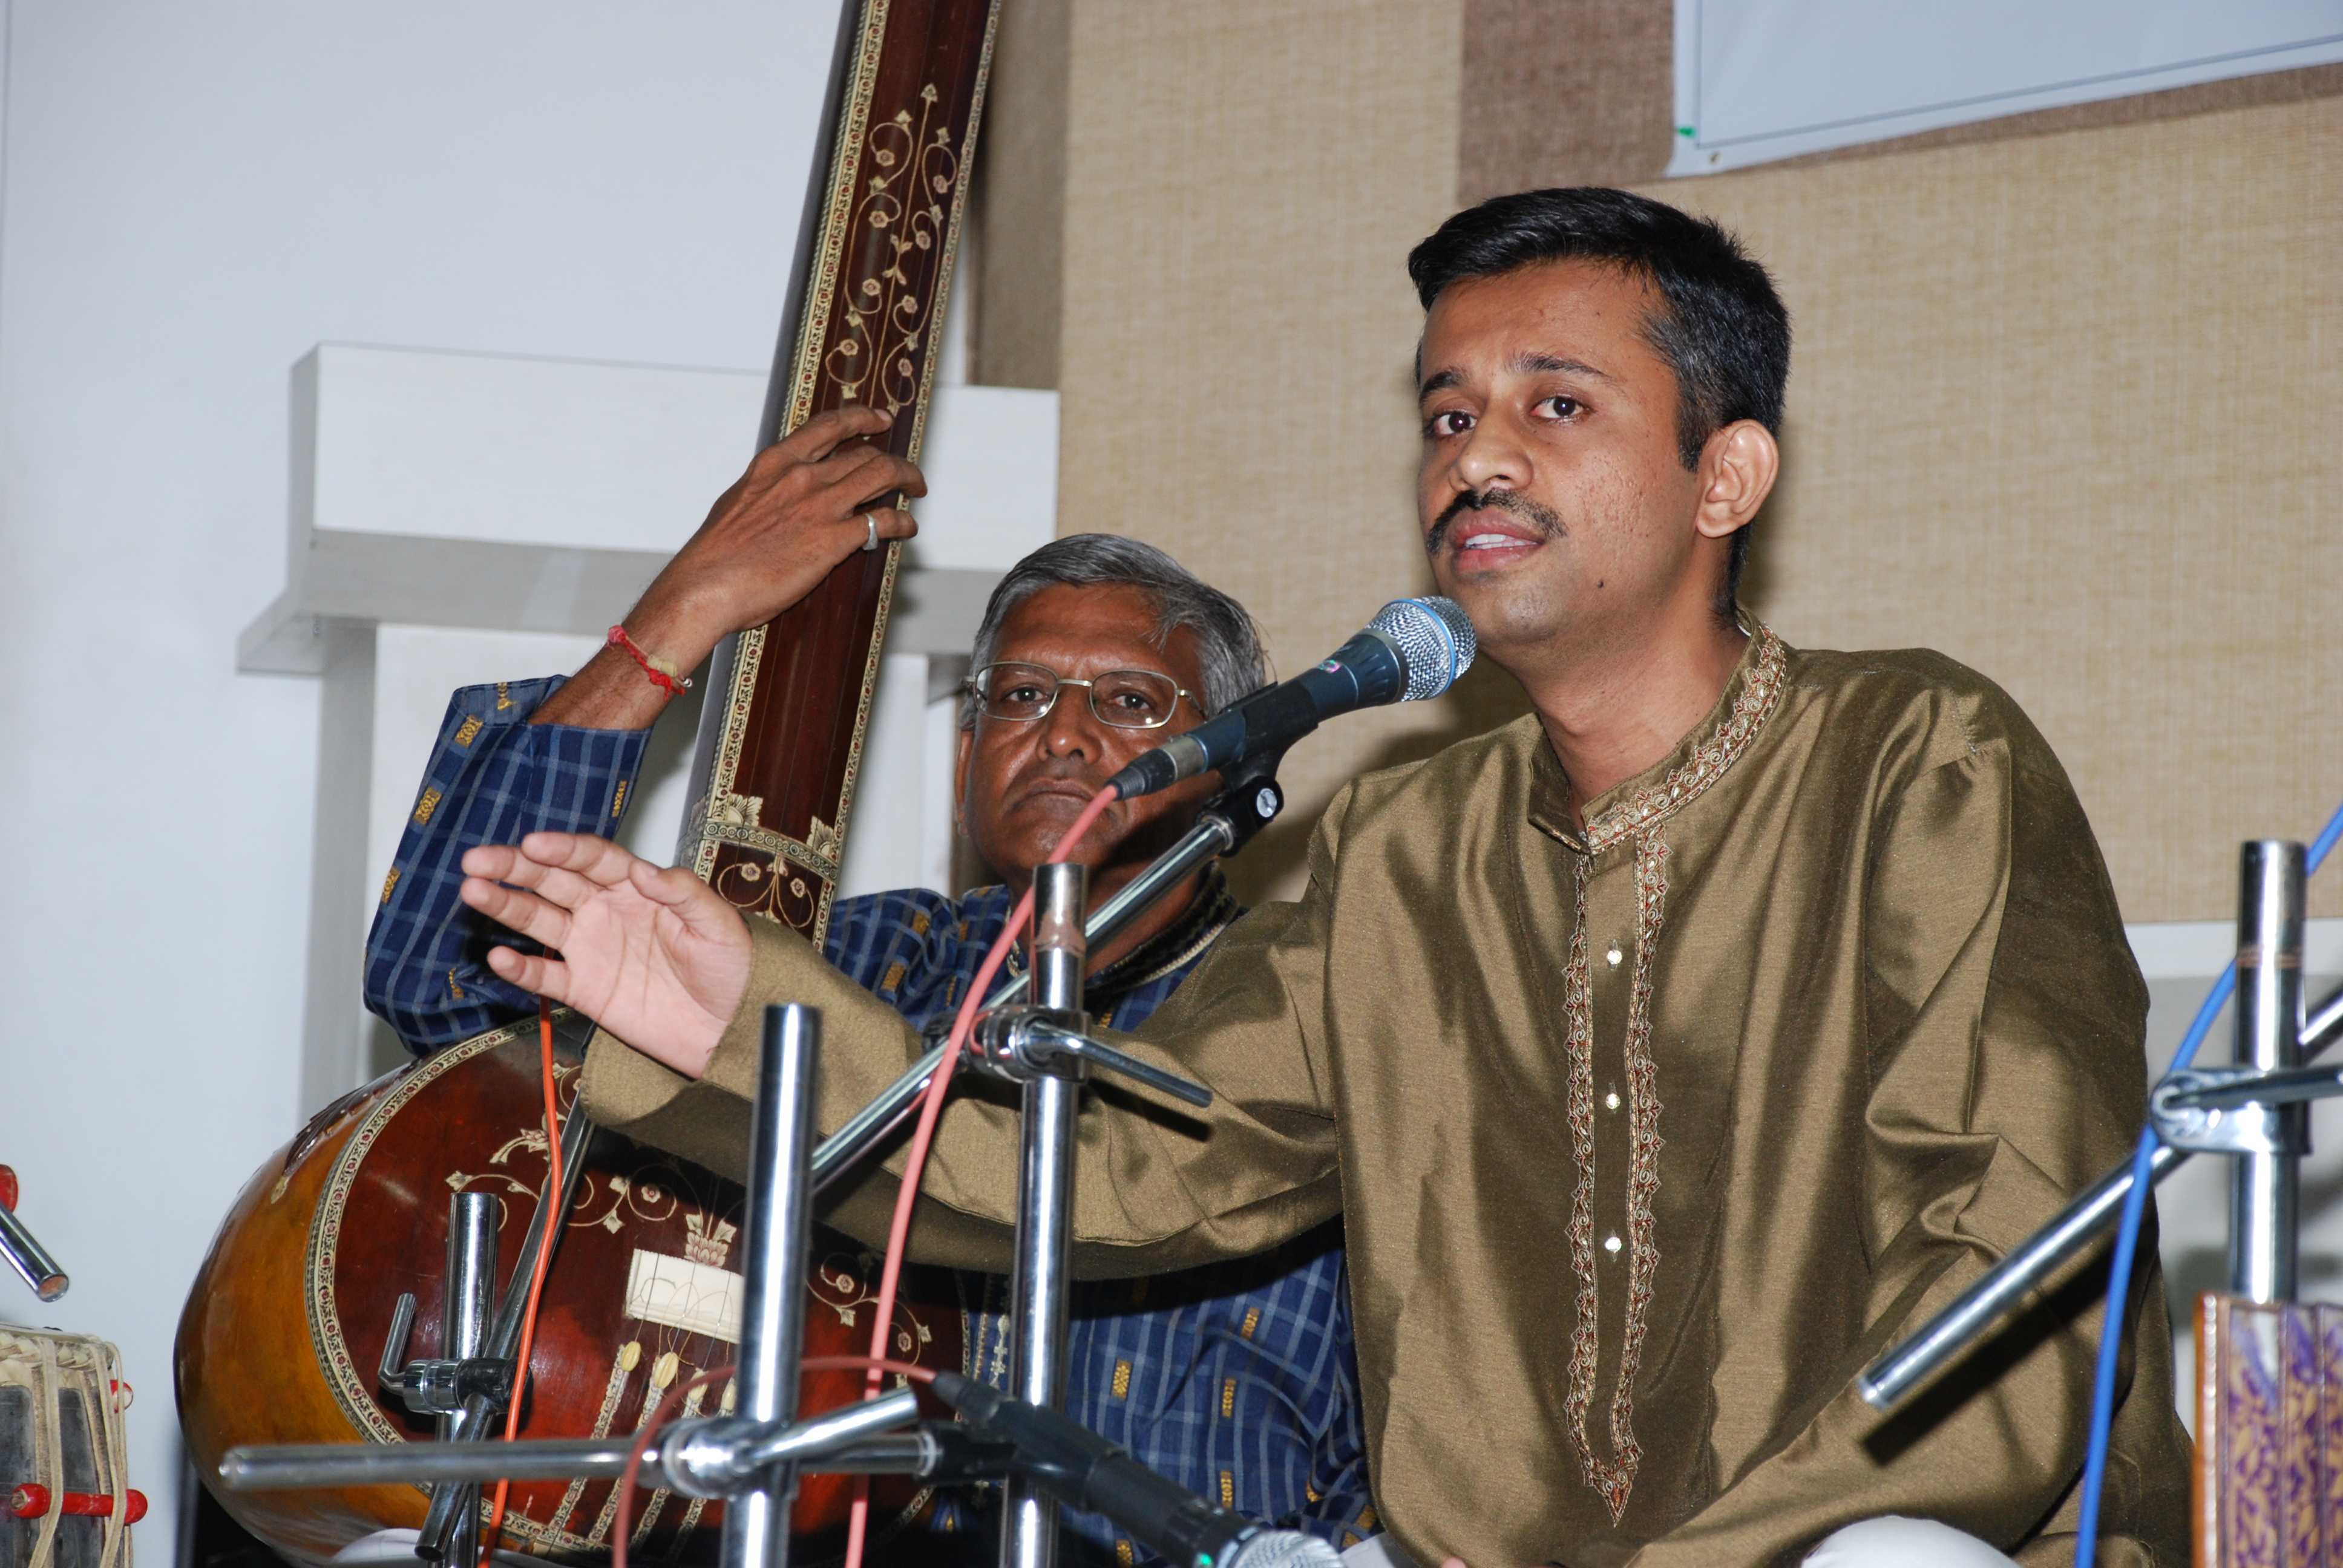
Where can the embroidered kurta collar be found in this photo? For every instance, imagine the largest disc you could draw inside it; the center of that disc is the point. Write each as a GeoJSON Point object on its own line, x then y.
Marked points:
{"type": "Point", "coordinates": [1667, 786]}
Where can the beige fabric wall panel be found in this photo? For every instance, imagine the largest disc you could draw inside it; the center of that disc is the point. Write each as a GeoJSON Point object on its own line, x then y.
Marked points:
{"type": "Point", "coordinates": [2065, 407]}
{"type": "Point", "coordinates": [1243, 181]}
{"type": "Point", "coordinates": [1020, 199]}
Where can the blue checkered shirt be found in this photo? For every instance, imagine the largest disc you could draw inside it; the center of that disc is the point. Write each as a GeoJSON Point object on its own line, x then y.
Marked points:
{"type": "Point", "coordinates": [1238, 1380]}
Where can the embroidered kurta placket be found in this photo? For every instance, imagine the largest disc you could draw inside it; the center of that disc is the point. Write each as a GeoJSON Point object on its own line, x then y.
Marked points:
{"type": "Point", "coordinates": [1621, 887]}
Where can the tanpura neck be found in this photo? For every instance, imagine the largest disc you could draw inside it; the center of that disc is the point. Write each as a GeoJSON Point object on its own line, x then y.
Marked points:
{"type": "Point", "coordinates": [1611, 720]}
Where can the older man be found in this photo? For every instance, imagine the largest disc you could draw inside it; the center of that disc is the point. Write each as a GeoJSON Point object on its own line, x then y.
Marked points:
{"type": "Point", "coordinates": [1239, 1379]}
{"type": "Point", "coordinates": [1669, 1051]}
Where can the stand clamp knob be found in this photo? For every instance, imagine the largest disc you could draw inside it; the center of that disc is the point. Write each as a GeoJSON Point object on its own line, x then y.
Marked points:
{"type": "Point", "coordinates": [1022, 1043]}
{"type": "Point", "coordinates": [2232, 1110]}
{"type": "Point", "coordinates": [438, 1386]}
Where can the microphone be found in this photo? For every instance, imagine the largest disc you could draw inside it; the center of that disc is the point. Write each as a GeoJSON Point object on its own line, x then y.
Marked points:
{"type": "Point", "coordinates": [1413, 649]}
{"type": "Point", "coordinates": [1084, 1470]}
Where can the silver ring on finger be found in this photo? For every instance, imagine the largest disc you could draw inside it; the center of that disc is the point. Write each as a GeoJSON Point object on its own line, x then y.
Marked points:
{"type": "Point", "coordinates": [870, 526]}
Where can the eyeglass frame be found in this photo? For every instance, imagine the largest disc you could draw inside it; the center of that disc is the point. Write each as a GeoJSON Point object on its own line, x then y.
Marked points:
{"type": "Point", "coordinates": [975, 690]}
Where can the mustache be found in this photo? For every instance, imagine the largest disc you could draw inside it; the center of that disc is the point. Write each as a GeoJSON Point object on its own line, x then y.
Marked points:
{"type": "Point", "coordinates": [1520, 505]}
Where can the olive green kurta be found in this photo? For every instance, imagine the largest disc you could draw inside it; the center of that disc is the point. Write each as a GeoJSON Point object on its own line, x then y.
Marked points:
{"type": "Point", "coordinates": [1646, 1137]}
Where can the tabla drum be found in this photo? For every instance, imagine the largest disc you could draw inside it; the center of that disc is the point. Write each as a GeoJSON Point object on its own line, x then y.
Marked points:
{"type": "Point", "coordinates": [65, 1495]}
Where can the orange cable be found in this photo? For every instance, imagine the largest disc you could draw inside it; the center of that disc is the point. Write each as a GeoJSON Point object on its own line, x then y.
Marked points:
{"type": "Point", "coordinates": [537, 1274]}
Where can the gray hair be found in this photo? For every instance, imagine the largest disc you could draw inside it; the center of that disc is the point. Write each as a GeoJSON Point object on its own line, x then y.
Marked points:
{"type": "Point", "coordinates": [1228, 643]}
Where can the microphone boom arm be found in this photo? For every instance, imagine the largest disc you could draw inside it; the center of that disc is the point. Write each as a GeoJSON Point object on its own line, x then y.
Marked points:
{"type": "Point", "coordinates": [1248, 802]}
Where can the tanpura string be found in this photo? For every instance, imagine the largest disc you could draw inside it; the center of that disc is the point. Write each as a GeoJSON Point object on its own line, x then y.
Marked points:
{"type": "Point", "coordinates": [915, 1161]}
{"type": "Point", "coordinates": [552, 1201]}
{"type": "Point", "coordinates": [622, 1523]}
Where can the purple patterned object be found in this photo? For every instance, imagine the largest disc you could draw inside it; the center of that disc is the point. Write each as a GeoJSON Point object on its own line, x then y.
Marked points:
{"type": "Point", "coordinates": [2327, 1323]}
{"type": "Point", "coordinates": [2251, 1451]}
{"type": "Point", "coordinates": [2298, 1480]}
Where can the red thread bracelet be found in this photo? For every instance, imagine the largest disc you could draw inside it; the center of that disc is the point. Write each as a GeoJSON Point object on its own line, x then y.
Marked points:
{"type": "Point", "coordinates": [660, 672]}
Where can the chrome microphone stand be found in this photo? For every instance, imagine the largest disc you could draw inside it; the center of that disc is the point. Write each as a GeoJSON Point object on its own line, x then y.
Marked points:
{"type": "Point", "coordinates": [1248, 801]}
{"type": "Point", "coordinates": [1043, 1047]}
{"type": "Point", "coordinates": [483, 1398]}
{"type": "Point", "coordinates": [752, 1459]}
{"type": "Point", "coordinates": [2254, 1110]}
{"type": "Point", "coordinates": [446, 1386]}
{"type": "Point", "coordinates": [772, 1318]}
{"type": "Point", "coordinates": [1045, 1196]}
{"type": "Point", "coordinates": [2267, 1136]}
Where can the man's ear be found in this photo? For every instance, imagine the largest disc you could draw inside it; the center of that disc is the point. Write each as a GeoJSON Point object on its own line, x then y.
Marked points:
{"type": "Point", "coordinates": [960, 781]}
{"type": "Point", "coordinates": [1737, 470]}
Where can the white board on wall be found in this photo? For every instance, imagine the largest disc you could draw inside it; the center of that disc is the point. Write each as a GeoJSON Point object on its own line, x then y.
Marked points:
{"type": "Point", "coordinates": [1757, 80]}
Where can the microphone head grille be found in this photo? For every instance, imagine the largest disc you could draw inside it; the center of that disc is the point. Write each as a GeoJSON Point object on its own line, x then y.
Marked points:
{"type": "Point", "coordinates": [1284, 1549]}
{"type": "Point", "coordinates": [1434, 638]}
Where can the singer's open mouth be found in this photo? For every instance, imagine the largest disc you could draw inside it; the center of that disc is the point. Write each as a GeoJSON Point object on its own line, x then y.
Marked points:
{"type": "Point", "coordinates": [1490, 538]}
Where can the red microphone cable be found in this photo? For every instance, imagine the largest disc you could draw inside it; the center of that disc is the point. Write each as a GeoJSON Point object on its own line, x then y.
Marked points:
{"type": "Point", "coordinates": [931, 1106]}
{"type": "Point", "coordinates": [890, 1274]}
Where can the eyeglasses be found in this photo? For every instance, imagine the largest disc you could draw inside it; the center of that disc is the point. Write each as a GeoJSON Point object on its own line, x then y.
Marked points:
{"type": "Point", "coordinates": [1127, 698]}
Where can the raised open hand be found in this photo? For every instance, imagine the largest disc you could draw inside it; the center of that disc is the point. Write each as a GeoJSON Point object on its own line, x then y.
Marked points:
{"type": "Point", "coordinates": [651, 954]}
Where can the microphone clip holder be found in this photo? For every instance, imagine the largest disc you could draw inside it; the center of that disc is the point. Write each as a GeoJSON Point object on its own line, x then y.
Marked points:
{"type": "Point", "coordinates": [1250, 798]}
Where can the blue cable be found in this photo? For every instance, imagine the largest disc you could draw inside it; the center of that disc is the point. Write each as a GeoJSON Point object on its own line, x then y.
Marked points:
{"type": "Point", "coordinates": [2111, 1327]}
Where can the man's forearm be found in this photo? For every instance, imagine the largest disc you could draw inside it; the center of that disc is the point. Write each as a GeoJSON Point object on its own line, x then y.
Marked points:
{"type": "Point", "coordinates": [609, 692]}
{"type": "Point", "coordinates": [612, 691]}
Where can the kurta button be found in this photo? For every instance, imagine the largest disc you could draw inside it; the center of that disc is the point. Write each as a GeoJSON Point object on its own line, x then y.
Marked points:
{"type": "Point", "coordinates": [1610, 1245]}
{"type": "Point", "coordinates": [1611, 1101]}
{"type": "Point", "coordinates": [1613, 957]}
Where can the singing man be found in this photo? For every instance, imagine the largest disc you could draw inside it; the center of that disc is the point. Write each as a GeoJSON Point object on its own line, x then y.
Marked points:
{"type": "Point", "coordinates": [1669, 1051]}
{"type": "Point", "coordinates": [1237, 1378]}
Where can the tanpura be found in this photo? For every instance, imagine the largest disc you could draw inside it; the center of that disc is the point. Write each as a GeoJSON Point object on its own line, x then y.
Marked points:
{"type": "Point", "coordinates": [285, 1330]}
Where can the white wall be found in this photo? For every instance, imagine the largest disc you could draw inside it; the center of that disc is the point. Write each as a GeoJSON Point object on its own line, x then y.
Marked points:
{"type": "Point", "coordinates": [191, 197]}
{"type": "Point", "coordinates": [194, 196]}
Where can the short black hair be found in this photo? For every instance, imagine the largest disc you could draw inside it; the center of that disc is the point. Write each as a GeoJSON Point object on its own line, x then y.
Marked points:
{"type": "Point", "coordinates": [1724, 332]}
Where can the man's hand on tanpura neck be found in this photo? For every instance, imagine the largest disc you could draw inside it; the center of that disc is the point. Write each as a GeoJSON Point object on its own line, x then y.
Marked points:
{"type": "Point", "coordinates": [651, 954]}
{"type": "Point", "coordinates": [769, 541]}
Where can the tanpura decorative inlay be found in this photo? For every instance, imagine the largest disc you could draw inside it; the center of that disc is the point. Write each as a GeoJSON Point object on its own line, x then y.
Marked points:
{"type": "Point", "coordinates": [878, 278]}
{"type": "Point", "coordinates": [914, 169]}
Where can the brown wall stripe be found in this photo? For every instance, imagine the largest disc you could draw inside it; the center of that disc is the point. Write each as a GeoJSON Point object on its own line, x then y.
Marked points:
{"type": "Point", "coordinates": [1575, 92]}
